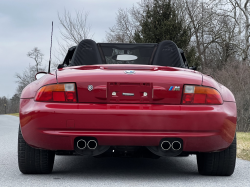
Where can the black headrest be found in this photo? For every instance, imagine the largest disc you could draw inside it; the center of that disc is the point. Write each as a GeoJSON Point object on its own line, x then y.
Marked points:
{"type": "Point", "coordinates": [167, 54]}
{"type": "Point", "coordinates": [86, 53]}
{"type": "Point", "coordinates": [69, 55]}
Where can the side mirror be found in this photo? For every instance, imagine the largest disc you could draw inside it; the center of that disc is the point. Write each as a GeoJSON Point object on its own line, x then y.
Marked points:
{"type": "Point", "coordinates": [193, 68]}
{"type": "Point", "coordinates": [40, 75]}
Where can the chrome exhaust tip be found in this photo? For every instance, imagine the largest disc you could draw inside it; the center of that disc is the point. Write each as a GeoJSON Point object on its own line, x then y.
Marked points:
{"type": "Point", "coordinates": [81, 144]}
{"type": "Point", "coordinates": [176, 145]}
{"type": "Point", "coordinates": [165, 145]}
{"type": "Point", "coordinates": [92, 144]}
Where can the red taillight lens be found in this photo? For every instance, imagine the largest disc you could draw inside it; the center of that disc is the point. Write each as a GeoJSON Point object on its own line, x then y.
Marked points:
{"type": "Point", "coordinates": [57, 93]}
{"type": "Point", "coordinates": [201, 95]}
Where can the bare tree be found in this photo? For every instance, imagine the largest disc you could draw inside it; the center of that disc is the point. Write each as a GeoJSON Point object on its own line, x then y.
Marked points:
{"type": "Point", "coordinates": [9, 105]}
{"type": "Point", "coordinates": [213, 28]}
{"type": "Point", "coordinates": [3, 105]}
{"type": "Point", "coordinates": [123, 30]}
{"type": "Point", "coordinates": [243, 8]}
{"type": "Point", "coordinates": [236, 76]}
{"type": "Point", "coordinates": [26, 77]}
{"type": "Point", "coordinates": [37, 55]}
{"type": "Point", "coordinates": [127, 22]}
{"type": "Point", "coordinates": [238, 10]}
{"type": "Point", "coordinates": [226, 46]}
{"type": "Point", "coordinates": [14, 104]}
{"type": "Point", "coordinates": [74, 29]}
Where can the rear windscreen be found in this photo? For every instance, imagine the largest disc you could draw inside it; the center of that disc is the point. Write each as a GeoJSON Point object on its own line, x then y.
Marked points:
{"type": "Point", "coordinates": [127, 53]}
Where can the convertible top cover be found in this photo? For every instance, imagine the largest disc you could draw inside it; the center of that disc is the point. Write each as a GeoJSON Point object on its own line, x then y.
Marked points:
{"type": "Point", "coordinates": [88, 52]}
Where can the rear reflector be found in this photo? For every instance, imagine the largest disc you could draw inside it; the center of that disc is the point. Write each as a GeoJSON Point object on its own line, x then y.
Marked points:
{"type": "Point", "coordinates": [201, 95]}
{"type": "Point", "coordinates": [57, 93]}
{"type": "Point", "coordinates": [189, 89]}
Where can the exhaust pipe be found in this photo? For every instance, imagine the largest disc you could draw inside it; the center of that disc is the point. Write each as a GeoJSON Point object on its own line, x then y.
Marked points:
{"type": "Point", "coordinates": [165, 145]}
{"type": "Point", "coordinates": [176, 145]}
{"type": "Point", "coordinates": [92, 144]}
{"type": "Point", "coordinates": [81, 144]}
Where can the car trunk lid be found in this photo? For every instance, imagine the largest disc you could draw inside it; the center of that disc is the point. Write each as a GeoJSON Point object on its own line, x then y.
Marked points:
{"type": "Point", "coordinates": [129, 83]}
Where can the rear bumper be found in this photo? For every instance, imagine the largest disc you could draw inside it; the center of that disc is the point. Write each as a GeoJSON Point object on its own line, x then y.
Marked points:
{"type": "Point", "coordinates": [54, 126]}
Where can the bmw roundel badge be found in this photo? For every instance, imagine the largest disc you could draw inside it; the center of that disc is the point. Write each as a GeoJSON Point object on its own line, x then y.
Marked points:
{"type": "Point", "coordinates": [90, 87]}
{"type": "Point", "coordinates": [129, 72]}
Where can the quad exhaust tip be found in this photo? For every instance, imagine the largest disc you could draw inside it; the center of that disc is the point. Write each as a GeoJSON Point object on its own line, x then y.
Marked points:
{"type": "Point", "coordinates": [176, 145]}
{"type": "Point", "coordinates": [92, 144]}
{"type": "Point", "coordinates": [165, 145]}
{"type": "Point", "coordinates": [81, 144]}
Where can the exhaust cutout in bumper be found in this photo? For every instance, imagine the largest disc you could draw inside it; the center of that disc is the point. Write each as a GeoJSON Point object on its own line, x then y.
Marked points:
{"type": "Point", "coordinates": [88, 146]}
{"type": "Point", "coordinates": [165, 145]}
{"type": "Point", "coordinates": [81, 144]}
{"type": "Point", "coordinates": [92, 144]}
{"type": "Point", "coordinates": [168, 147]}
{"type": "Point", "coordinates": [176, 145]}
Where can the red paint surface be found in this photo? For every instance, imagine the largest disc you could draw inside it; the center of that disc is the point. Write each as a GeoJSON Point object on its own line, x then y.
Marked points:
{"type": "Point", "coordinates": [55, 125]}
{"type": "Point", "coordinates": [115, 80]}
{"type": "Point", "coordinates": [31, 90]}
{"type": "Point", "coordinates": [225, 92]}
{"type": "Point", "coordinates": [202, 128]}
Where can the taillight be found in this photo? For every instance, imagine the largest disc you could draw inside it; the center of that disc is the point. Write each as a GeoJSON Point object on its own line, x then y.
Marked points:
{"type": "Point", "coordinates": [200, 95]}
{"type": "Point", "coordinates": [57, 93]}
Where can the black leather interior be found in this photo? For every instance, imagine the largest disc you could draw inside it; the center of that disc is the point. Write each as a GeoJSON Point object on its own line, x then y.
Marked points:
{"type": "Point", "coordinates": [167, 54]}
{"type": "Point", "coordinates": [86, 53]}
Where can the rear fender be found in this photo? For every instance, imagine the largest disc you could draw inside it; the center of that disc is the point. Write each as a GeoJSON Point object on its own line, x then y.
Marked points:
{"type": "Point", "coordinates": [226, 94]}
{"type": "Point", "coordinates": [30, 90]}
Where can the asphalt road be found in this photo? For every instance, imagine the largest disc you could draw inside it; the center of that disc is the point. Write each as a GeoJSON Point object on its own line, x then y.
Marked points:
{"type": "Point", "coordinates": [88, 171]}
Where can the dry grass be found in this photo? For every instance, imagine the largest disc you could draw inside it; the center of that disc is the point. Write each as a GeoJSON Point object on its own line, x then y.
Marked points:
{"type": "Point", "coordinates": [14, 114]}
{"type": "Point", "coordinates": [243, 145]}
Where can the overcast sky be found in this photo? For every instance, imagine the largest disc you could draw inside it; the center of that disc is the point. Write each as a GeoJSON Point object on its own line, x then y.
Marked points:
{"type": "Point", "coordinates": [25, 24]}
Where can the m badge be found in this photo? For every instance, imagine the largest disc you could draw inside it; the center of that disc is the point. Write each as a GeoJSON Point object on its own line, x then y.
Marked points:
{"type": "Point", "coordinates": [174, 88]}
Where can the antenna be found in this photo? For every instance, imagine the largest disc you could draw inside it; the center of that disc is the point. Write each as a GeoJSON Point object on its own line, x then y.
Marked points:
{"type": "Point", "coordinates": [50, 48]}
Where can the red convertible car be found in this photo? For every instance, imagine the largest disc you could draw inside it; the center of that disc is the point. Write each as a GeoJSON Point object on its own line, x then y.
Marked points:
{"type": "Point", "coordinates": [127, 100]}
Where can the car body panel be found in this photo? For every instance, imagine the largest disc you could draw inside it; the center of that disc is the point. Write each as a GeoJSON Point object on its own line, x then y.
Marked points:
{"type": "Point", "coordinates": [153, 80]}
{"type": "Point", "coordinates": [31, 90]}
{"type": "Point", "coordinates": [225, 92]}
{"type": "Point", "coordinates": [54, 126]}
{"type": "Point", "coordinates": [121, 122]}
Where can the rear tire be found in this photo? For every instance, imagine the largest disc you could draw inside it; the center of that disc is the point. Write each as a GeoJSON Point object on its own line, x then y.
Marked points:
{"type": "Point", "coordinates": [218, 163]}
{"type": "Point", "coordinates": [34, 161]}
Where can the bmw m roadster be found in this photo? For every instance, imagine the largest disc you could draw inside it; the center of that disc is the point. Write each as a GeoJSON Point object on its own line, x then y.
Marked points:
{"type": "Point", "coordinates": [127, 100]}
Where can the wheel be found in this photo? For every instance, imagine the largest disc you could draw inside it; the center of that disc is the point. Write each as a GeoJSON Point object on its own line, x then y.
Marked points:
{"type": "Point", "coordinates": [218, 163]}
{"type": "Point", "coordinates": [34, 161]}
